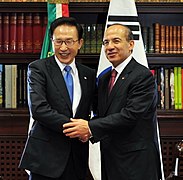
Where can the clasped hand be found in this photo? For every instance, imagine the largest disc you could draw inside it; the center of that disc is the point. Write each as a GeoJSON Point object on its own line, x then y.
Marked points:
{"type": "Point", "coordinates": [77, 128]}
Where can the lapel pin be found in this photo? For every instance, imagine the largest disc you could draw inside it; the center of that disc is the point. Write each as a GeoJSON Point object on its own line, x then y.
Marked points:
{"type": "Point", "coordinates": [85, 77]}
{"type": "Point", "coordinates": [123, 78]}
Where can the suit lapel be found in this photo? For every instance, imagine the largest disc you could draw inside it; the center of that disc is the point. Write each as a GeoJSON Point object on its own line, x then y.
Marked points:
{"type": "Point", "coordinates": [57, 77]}
{"type": "Point", "coordinates": [83, 83]}
{"type": "Point", "coordinates": [120, 82]}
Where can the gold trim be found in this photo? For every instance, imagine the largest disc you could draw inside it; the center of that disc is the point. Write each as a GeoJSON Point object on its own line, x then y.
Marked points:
{"type": "Point", "coordinates": [59, 1]}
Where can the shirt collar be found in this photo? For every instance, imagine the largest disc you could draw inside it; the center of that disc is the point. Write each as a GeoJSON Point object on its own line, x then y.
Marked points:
{"type": "Point", "coordinates": [62, 65]}
{"type": "Point", "coordinates": [121, 66]}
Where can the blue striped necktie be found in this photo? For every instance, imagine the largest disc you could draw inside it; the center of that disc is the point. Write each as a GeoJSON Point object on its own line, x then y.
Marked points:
{"type": "Point", "coordinates": [69, 81]}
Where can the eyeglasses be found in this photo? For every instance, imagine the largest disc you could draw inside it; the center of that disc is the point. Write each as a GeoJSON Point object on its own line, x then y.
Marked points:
{"type": "Point", "coordinates": [68, 42]}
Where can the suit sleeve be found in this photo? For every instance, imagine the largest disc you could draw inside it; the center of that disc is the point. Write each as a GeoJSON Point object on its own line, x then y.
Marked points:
{"type": "Point", "coordinates": [139, 101]}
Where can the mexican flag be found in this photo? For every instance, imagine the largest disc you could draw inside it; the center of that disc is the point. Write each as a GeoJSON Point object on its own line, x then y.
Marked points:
{"type": "Point", "coordinates": [55, 9]}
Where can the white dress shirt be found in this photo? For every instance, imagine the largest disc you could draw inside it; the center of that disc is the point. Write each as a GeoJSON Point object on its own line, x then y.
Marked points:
{"type": "Point", "coordinates": [122, 66]}
{"type": "Point", "coordinates": [77, 87]}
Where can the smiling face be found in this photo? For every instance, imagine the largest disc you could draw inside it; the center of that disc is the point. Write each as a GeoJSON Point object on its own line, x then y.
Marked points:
{"type": "Point", "coordinates": [116, 44]}
{"type": "Point", "coordinates": [65, 53]}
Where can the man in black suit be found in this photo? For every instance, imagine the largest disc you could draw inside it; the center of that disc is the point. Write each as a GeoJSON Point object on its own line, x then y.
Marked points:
{"type": "Point", "coordinates": [48, 153]}
{"type": "Point", "coordinates": [126, 126]}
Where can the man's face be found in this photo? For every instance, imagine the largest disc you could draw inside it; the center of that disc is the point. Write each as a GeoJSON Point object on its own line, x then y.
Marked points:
{"type": "Point", "coordinates": [116, 46]}
{"type": "Point", "coordinates": [66, 52]}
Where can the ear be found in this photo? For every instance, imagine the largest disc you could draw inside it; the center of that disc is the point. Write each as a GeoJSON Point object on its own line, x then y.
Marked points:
{"type": "Point", "coordinates": [131, 45]}
{"type": "Point", "coordinates": [53, 46]}
{"type": "Point", "coordinates": [80, 43]}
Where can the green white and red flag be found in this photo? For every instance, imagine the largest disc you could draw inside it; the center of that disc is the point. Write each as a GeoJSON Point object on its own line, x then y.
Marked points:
{"type": "Point", "coordinates": [55, 9]}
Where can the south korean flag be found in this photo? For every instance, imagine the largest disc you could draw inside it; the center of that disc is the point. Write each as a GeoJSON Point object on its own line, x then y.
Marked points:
{"type": "Point", "coordinates": [124, 12]}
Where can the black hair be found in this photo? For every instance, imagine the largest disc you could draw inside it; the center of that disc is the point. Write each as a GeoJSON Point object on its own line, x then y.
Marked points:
{"type": "Point", "coordinates": [70, 21]}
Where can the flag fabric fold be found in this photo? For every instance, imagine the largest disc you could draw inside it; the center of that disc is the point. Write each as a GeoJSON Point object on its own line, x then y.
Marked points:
{"type": "Point", "coordinates": [54, 10]}
{"type": "Point", "coordinates": [123, 12]}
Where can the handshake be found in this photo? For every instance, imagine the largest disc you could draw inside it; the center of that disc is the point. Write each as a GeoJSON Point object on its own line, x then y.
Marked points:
{"type": "Point", "coordinates": [77, 128]}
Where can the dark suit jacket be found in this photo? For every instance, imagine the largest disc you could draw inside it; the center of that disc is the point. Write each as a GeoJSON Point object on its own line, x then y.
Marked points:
{"type": "Point", "coordinates": [126, 125]}
{"type": "Point", "coordinates": [47, 149]}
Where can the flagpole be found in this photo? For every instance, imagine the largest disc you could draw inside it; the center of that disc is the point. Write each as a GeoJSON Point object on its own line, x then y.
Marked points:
{"type": "Point", "coordinates": [160, 154]}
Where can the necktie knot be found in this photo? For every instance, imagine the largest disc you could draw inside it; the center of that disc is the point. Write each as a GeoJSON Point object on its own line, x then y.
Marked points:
{"type": "Point", "coordinates": [114, 73]}
{"type": "Point", "coordinates": [67, 68]}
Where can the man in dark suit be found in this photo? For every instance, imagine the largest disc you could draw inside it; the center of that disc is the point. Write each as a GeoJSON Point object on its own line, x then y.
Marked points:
{"type": "Point", "coordinates": [48, 153]}
{"type": "Point", "coordinates": [126, 126]}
